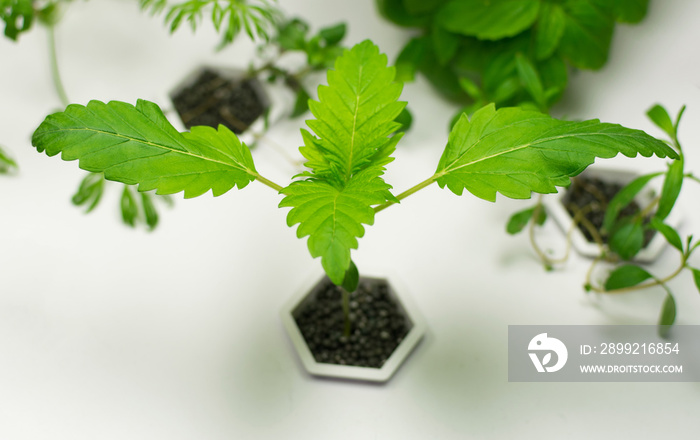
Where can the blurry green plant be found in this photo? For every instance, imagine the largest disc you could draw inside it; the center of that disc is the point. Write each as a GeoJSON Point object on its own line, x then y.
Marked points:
{"type": "Point", "coordinates": [509, 52]}
{"type": "Point", "coordinates": [626, 232]}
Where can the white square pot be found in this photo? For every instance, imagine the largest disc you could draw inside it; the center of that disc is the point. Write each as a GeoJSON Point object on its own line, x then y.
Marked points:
{"type": "Point", "coordinates": [554, 204]}
{"type": "Point", "coordinates": [398, 293]}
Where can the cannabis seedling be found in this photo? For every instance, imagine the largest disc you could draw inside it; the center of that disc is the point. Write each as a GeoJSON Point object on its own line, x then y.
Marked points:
{"type": "Point", "coordinates": [510, 150]}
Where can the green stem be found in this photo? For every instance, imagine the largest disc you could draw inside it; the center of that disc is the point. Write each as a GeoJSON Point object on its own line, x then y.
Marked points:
{"type": "Point", "coordinates": [55, 74]}
{"type": "Point", "coordinates": [408, 192]}
{"type": "Point", "coordinates": [266, 182]}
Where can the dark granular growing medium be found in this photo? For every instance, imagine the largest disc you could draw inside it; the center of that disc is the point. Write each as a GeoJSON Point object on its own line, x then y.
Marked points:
{"type": "Point", "coordinates": [593, 196]}
{"type": "Point", "coordinates": [213, 99]}
{"type": "Point", "coordinates": [378, 325]}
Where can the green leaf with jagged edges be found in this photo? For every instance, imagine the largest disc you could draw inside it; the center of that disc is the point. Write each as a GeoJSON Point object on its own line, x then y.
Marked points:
{"type": "Point", "coordinates": [137, 145]}
{"type": "Point", "coordinates": [346, 153]}
{"type": "Point", "coordinates": [332, 217]}
{"type": "Point", "coordinates": [516, 152]}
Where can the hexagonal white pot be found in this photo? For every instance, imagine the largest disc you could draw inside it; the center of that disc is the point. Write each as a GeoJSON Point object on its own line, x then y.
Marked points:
{"type": "Point", "coordinates": [555, 208]}
{"type": "Point", "coordinates": [400, 354]}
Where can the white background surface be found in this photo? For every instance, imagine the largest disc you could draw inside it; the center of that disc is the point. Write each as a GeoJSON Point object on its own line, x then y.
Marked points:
{"type": "Point", "coordinates": [110, 333]}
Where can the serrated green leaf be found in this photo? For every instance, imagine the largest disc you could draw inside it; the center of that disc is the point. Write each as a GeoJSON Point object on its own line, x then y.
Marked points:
{"type": "Point", "coordinates": [670, 189]}
{"type": "Point", "coordinates": [515, 152]}
{"type": "Point", "coordinates": [355, 117]}
{"type": "Point", "coordinates": [332, 217]}
{"type": "Point", "coordinates": [627, 240]}
{"type": "Point", "coordinates": [396, 12]}
{"type": "Point", "coordinates": [354, 114]}
{"type": "Point", "coordinates": [671, 235]}
{"type": "Point", "coordinates": [668, 315]}
{"type": "Point", "coordinates": [490, 20]}
{"type": "Point", "coordinates": [661, 118]}
{"type": "Point", "coordinates": [623, 198]}
{"type": "Point", "coordinates": [137, 145]}
{"type": "Point", "coordinates": [421, 7]}
{"type": "Point", "coordinates": [626, 276]}
{"type": "Point", "coordinates": [549, 29]}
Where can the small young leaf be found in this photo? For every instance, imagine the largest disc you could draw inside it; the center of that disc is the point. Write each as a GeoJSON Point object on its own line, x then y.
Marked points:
{"type": "Point", "coordinates": [91, 188]}
{"type": "Point", "coordinates": [627, 240]}
{"type": "Point", "coordinates": [445, 44]}
{"type": "Point", "coordinates": [515, 152]}
{"type": "Point", "coordinates": [137, 145]}
{"type": "Point", "coordinates": [623, 198]}
{"type": "Point", "coordinates": [332, 35]}
{"type": "Point", "coordinates": [668, 315]}
{"type": "Point", "coordinates": [670, 190]}
{"type": "Point", "coordinates": [129, 208]}
{"type": "Point", "coordinates": [149, 210]}
{"type": "Point", "coordinates": [6, 162]}
{"type": "Point", "coordinates": [626, 276]}
{"type": "Point", "coordinates": [696, 277]}
{"type": "Point", "coordinates": [301, 103]}
{"type": "Point", "coordinates": [531, 80]}
{"type": "Point", "coordinates": [410, 58]}
{"type": "Point", "coordinates": [671, 235]}
{"type": "Point", "coordinates": [661, 118]}
{"type": "Point", "coordinates": [520, 219]}
{"type": "Point", "coordinates": [352, 278]}
{"type": "Point", "coordinates": [405, 119]}
{"type": "Point", "coordinates": [18, 16]}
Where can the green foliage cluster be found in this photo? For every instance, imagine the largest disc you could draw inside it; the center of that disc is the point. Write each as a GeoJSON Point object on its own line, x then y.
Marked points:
{"type": "Point", "coordinates": [20, 15]}
{"type": "Point", "coordinates": [509, 52]}
{"type": "Point", "coordinates": [257, 18]}
{"type": "Point", "coordinates": [349, 143]}
{"type": "Point", "coordinates": [626, 233]}
{"type": "Point", "coordinates": [321, 50]}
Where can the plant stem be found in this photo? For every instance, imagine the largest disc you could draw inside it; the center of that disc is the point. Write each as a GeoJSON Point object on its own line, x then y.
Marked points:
{"type": "Point", "coordinates": [408, 192]}
{"type": "Point", "coordinates": [55, 74]}
{"type": "Point", "coordinates": [346, 312]}
{"type": "Point", "coordinates": [656, 281]}
{"type": "Point", "coordinates": [266, 182]}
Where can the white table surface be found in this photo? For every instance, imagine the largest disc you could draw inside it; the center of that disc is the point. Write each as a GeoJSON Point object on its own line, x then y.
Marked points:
{"type": "Point", "coordinates": [111, 333]}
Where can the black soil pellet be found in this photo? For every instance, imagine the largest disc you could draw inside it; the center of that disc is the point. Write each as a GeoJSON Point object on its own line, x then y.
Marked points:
{"type": "Point", "coordinates": [593, 195]}
{"type": "Point", "coordinates": [213, 99]}
{"type": "Point", "coordinates": [378, 325]}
